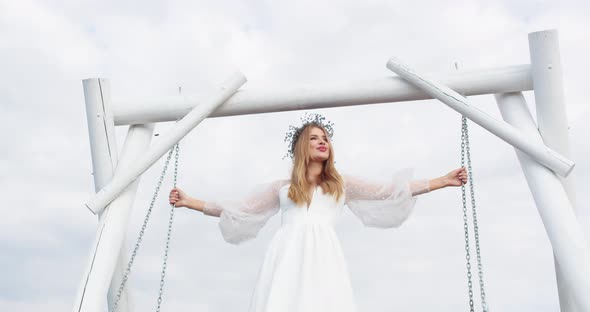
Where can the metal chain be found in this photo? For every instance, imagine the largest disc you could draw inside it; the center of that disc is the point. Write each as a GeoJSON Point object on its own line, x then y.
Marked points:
{"type": "Point", "coordinates": [125, 277]}
{"type": "Point", "coordinates": [170, 220]}
{"type": "Point", "coordinates": [465, 223]}
{"type": "Point", "coordinates": [465, 149]}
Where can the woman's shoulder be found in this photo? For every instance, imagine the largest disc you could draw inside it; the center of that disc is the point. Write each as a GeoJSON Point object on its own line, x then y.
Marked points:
{"type": "Point", "coordinates": [281, 183]}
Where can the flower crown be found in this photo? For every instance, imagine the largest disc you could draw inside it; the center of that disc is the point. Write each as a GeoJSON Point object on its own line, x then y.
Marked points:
{"type": "Point", "coordinates": [294, 132]}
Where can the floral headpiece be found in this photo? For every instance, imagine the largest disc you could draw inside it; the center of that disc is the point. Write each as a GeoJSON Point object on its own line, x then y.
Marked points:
{"type": "Point", "coordinates": [294, 132]}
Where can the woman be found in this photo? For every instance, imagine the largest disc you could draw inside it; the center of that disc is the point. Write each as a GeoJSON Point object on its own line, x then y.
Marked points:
{"type": "Point", "coordinates": [304, 268]}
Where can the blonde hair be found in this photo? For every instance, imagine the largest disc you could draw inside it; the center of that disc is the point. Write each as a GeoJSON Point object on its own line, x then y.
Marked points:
{"type": "Point", "coordinates": [330, 180]}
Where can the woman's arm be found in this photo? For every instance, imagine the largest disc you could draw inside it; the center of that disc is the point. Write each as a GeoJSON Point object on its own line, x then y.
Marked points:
{"type": "Point", "coordinates": [179, 198]}
{"type": "Point", "coordinates": [437, 183]}
{"type": "Point", "coordinates": [196, 204]}
{"type": "Point", "coordinates": [239, 220]}
{"type": "Point", "coordinates": [457, 177]}
{"type": "Point", "coordinates": [384, 204]}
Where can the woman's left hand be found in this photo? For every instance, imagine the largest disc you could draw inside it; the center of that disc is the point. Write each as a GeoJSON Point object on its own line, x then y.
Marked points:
{"type": "Point", "coordinates": [456, 177]}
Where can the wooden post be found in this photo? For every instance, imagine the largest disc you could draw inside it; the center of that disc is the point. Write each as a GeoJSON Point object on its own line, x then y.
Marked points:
{"type": "Point", "coordinates": [103, 150]}
{"type": "Point", "coordinates": [563, 229]}
{"type": "Point", "coordinates": [552, 121]}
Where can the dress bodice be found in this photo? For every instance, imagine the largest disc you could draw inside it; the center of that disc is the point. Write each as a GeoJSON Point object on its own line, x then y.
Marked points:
{"type": "Point", "coordinates": [304, 269]}
{"type": "Point", "coordinates": [323, 209]}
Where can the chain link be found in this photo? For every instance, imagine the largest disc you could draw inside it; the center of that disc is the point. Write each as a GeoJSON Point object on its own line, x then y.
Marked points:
{"type": "Point", "coordinates": [127, 272]}
{"type": "Point", "coordinates": [465, 150]}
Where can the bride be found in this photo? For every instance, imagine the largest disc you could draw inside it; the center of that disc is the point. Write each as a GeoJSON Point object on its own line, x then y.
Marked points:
{"type": "Point", "coordinates": [304, 269]}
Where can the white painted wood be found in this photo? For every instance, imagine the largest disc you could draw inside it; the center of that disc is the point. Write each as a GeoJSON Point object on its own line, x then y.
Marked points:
{"type": "Point", "coordinates": [111, 231]}
{"type": "Point", "coordinates": [549, 96]}
{"type": "Point", "coordinates": [563, 229]}
{"type": "Point", "coordinates": [101, 129]}
{"type": "Point", "coordinates": [182, 128]}
{"type": "Point", "coordinates": [543, 154]}
{"type": "Point", "coordinates": [103, 150]}
{"type": "Point", "coordinates": [552, 121]}
{"type": "Point", "coordinates": [322, 95]}
{"type": "Point", "coordinates": [126, 301]}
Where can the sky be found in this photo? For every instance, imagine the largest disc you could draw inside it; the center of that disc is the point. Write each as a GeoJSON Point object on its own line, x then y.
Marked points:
{"type": "Point", "coordinates": [150, 48]}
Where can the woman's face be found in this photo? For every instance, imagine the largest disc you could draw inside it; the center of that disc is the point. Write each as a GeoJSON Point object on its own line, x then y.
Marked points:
{"type": "Point", "coordinates": [319, 148]}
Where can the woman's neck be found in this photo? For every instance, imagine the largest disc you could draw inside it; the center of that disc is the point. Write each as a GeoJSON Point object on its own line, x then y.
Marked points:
{"type": "Point", "coordinates": [314, 172]}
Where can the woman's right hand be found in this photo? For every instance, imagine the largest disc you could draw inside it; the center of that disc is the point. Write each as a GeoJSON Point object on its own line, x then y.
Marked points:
{"type": "Point", "coordinates": [178, 197]}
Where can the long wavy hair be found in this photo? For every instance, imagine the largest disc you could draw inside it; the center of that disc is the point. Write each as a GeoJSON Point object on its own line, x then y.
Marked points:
{"type": "Point", "coordinates": [330, 180]}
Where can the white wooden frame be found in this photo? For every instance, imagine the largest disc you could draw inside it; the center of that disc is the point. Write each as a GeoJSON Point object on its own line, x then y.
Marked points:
{"type": "Point", "coordinates": [542, 150]}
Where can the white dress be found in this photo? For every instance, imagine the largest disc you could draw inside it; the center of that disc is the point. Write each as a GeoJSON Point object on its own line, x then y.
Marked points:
{"type": "Point", "coordinates": [304, 269]}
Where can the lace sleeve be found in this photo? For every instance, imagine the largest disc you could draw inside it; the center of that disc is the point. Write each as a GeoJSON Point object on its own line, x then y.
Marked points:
{"type": "Point", "coordinates": [241, 220]}
{"type": "Point", "coordinates": [384, 205]}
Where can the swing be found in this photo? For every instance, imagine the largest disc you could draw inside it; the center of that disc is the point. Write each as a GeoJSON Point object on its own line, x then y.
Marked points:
{"type": "Point", "coordinates": [544, 166]}
{"type": "Point", "coordinates": [465, 155]}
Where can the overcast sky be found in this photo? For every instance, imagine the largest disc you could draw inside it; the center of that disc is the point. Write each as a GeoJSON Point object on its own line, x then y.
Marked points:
{"type": "Point", "coordinates": [150, 48]}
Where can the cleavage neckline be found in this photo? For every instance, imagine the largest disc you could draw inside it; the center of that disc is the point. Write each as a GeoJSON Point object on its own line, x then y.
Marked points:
{"type": "Point", "coordinates": [315, 189]}
{"type": "Point", "coordinates": [312, 194]}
